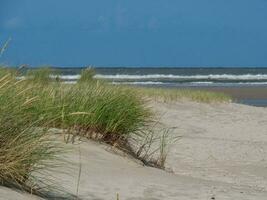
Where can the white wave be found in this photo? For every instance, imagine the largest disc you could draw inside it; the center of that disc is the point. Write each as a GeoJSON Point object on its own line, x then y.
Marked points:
{"type": "Point", "coordinates": [70, 82]}
{"type": "Point", "coordinates": [198, 83]}
{"type": "Point", "coordinates": [161, 78]}
{"type": "Point", "coordinates": [20, 77]}
{"type": "Point", "coordinates": [182, 77]}
{"type": "Point", "coordinates": [67, 77]}
{"type": "Point", "coordinates": [170, 76]}
{"type": "Point", "coordinates": [139, 83]}
{"type": "Point", "coordinates": [252, 83]}
{"type": "Point", "coordinates": [226, 83]}
{"type": "Point", "coordinates": [203, 82]}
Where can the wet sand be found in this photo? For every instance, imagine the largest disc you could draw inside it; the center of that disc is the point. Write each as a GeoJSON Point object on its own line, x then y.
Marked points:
{"type": "Point", "coordinates": [251, 92]}
{"type": "Point", "coordinates": [251, 95]}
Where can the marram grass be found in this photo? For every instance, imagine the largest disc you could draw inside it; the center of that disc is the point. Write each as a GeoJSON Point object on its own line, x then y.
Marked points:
{"type": "Point", "coordinates": [90, 106]}
{"type": "Point", "coordinates": [95, 107]}
{"type": "Point", "coordinates": [39, 76]}
{"type": "Point", "coordinates": [87, 75]}
{"type": "Point", "coordinates": [23, 148]}
{"type": "Point", "coordinates": [168, 95]}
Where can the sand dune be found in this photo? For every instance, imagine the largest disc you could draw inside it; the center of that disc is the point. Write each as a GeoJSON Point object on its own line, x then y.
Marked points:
{"type": "Point", "coordinates": [221, 155]}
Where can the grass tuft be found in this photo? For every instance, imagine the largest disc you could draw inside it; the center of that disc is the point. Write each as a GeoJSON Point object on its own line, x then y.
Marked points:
{"type": "Point", "coordinates": [12, 73]}
{"type": "Point", "coordinates": [87, 75]}
{"type": "Point", "coordinates": [39, 76]}
{"type": "Point", "coordinates": [24, 148]}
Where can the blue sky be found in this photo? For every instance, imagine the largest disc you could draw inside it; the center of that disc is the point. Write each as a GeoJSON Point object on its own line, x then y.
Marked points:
{"type": "Point", "coordinates": [134, 32]}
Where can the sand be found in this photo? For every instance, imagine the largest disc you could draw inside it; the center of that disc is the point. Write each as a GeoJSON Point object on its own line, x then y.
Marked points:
{"type": "Point", "coordinates": [236, 92]}
{"type": "Point", "coordinates": [253, 95]}
{"type": "Point", "coordinates": [226, 142]}
{"type": "Point", "coordinates": [221, 155]}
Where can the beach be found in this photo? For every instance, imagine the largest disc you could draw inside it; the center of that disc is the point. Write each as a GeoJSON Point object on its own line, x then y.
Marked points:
{"type": "Point", "coordinates": [133, 100]}
{"type": "Point", "coordinates": [221, 154]}
{"type": "Point", "coordinates": [93, 139]}
{"type": "Point", "coordinates": [249, 95]}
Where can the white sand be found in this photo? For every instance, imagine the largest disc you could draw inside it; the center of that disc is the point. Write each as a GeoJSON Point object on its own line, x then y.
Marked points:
{"type": "Point", "coordinates": [222, 154]}
{"type": "Point", "coordinates": [226, 143]}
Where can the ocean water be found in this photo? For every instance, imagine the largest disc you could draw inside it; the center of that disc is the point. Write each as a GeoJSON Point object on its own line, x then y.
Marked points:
{"type": "Point", "coordinates": [192, 77]}
{"type": "Point", "coordinates": [246, 85]}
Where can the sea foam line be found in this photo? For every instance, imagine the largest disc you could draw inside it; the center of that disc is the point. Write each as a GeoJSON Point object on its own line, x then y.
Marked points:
{"type": "Point", "coordinates": [211, 77]}
{"type": "Point", "coordinates": [183, 77]}
{"type": "Point", "coordinates": [199, 83]}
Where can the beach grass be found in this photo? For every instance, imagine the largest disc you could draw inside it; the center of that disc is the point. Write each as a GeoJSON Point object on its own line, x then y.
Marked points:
{"type": "Point", "coordinates": [96, 107]}
{"type": "Point", "coordinates": [39, 76]}
{"type": "Point", "coordinates": [12, 73]}
{"type": "Point", "coordinates": [168, 95]}
{"type": "Point", "coordinates": [87, 75]}
{"type": "Point", "coordinates": [24, 148]}
{"type": "Point", "coordinates": [93, 107]}
{"type": "Point", "coordinates": [90, 108]}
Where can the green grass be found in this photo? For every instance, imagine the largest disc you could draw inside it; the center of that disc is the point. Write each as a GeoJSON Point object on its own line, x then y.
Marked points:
{"type": "Point", "coordinates": [7, 71]}
{"type": "Point", "coordinates": [89, 108]}
{"type": "Point", "coordinates": [168, 95]}
{"type": "Point", "coordinates": [39, 76]}
{"type": "Point", "coordinates": [87, 75]}
{"type": "Point", "coordinates": [23, 148]}
{"type": "Point", "coordinates": [92, 107]}
{"type": "Point", "coordinates": [89, 105]}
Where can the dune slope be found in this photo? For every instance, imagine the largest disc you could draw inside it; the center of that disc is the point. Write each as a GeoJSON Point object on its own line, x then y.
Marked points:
{"type": "Point", "coordinates": [221, 155]}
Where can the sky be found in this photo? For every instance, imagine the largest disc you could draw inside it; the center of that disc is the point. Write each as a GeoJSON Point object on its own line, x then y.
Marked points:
{"type": "Point", "coordinates": [134, 33]}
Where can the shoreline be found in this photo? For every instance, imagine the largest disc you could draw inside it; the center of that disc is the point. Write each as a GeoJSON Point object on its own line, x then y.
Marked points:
{"type": "Point", "coordinates": [252, 95]}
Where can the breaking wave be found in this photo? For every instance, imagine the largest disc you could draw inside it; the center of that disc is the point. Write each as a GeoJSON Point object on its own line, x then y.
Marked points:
{"type": "Point", "coordinates": [184, 77]}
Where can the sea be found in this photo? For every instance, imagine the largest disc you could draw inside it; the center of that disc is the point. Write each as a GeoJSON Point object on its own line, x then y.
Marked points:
{"type": "Point", "coordinates": [248, 85]}
{"type": "Point", "coordinates": [176, 76]}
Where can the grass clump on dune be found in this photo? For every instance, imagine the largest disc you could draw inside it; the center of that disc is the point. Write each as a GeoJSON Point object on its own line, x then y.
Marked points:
{"type": "Point", "coordinates": [108, 110]}
{"type": "Point", "coordinates": [112, 112]}
{"type": "Point", "coordinates": [89, 106]}
{"type": "Point", "coordinates": [23, 148]}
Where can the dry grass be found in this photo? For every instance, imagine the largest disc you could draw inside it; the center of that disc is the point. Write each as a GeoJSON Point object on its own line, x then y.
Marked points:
{"type": "Point", "coordinates": [23, 148]}
{"type": "Point", "coordinates": [4, 47]}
